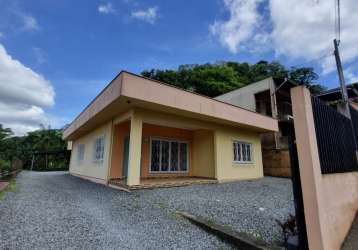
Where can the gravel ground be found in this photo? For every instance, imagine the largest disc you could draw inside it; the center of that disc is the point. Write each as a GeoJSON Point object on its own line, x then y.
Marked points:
{"type": "Point", "coordinates": [59, 211]}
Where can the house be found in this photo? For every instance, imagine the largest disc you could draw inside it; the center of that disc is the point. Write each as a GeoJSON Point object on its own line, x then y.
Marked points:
{"type": "Point", "coordinates": [334, 96]}
{"type": "Point", "coordinates": [142, 133]}
{"type": "Point", "coordinates": [270, 97]}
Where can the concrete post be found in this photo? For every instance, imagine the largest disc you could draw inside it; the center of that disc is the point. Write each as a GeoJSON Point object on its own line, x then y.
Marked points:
{"type": "Point", "coordinates": [309, 165]}
{"type": "Point", "coordinates": [135, 150]}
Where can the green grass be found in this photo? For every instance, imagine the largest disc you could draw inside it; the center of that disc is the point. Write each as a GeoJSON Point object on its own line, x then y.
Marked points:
{"type": "Point", "coordinates": [10, 188]}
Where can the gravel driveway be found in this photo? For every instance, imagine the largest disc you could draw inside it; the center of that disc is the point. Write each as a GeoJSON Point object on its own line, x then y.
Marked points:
{"type": "Point", "coordinates": [58, 211]}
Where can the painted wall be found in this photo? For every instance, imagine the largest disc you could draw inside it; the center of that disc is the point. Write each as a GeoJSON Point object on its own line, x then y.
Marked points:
{"type": "Point", "coordinates": [203, 154]}
{"type": "Point", "coordinates": [226, 170]}
{"type": "Point", "coordinates": [245, 97]}
{"type": "Point", "coordinates": [120, 131]}
{"type": "Point", "coordinates": [210, 148]}
{"type": "Point", "coordinates": [330, 201]}
{"type": "Point", "coordinates": [88, 167]}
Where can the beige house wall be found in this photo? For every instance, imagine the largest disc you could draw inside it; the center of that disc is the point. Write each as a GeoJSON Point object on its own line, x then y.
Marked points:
{"type": "Point", "coordinates": [94, 170]}
{"type": "Point", "coordinates": [211, 148]}
{"type": "Point", "coordinates": [330, 201]}
{"type": "Point", "coordinates": [226, 169]}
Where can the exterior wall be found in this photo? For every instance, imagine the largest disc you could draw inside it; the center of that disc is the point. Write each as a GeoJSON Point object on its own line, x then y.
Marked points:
{"type": "Point", "coordinates": [210, 148]}
{"type": "Point", "coordinates": [223, 136]}
{"type": "Point", "coordinates": [88, 168]}
{"type": "Point", "coordinates": [330, 201]}
{"type": "Point", "coordinates": [245, 97]}
{"type": "Point", "coordinates": [226, 170]}
{"type": "Point", "coordinates": [155, 131]}
{"type": "Point", "coordinates": [120, 131]}
{"type": "Point", "coordinates": [203, 154]}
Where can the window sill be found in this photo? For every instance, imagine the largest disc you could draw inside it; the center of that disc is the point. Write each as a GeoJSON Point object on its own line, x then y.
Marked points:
{"type": "Point", "coordinates": [243, 162]}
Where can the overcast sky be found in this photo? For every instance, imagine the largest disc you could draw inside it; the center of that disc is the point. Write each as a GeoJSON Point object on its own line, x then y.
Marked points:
{"type": "Point", "coordinates": [56, 55]}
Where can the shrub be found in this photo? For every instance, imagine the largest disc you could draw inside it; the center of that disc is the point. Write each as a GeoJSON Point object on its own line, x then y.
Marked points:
{"type": "Point", "coordinates": [4, 165]}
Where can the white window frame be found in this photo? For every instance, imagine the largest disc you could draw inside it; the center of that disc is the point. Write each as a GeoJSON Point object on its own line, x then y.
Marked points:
{"type": "Point", "coordinates": [251, 152]}
{"type": "Point", "coordinates": [81, 148]}
{"type": "Point", "coordinates": [95, 159]}
{"type": "Point", "coordinates": [160, 156]}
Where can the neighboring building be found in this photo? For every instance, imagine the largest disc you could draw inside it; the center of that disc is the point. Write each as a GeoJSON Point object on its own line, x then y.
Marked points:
{"type": "Point", "coordinates": [142, 133]}
{"type": "Point", "coordinates": [270, 97]}
{"type": "Point", "coordinates": [334, 96]}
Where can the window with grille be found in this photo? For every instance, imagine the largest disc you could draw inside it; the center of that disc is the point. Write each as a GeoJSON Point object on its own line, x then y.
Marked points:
{"type": "Point", "coordinates": [99, 148]}
{"type": "Point", "coordinates": [242, 152]}
{"type": "Point", "coordinates": [168, 156]}
{"type": "Point", "coordinates": [81, 152]}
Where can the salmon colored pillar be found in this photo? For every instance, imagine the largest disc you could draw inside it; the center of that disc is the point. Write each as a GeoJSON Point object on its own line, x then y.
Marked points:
{"type": "Point", "coordinates": [309, 166]}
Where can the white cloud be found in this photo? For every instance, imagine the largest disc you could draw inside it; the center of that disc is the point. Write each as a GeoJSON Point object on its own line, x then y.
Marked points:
{"type": "Point", "coordinates": [150, 15]}
{"type": "Point", "coordinates": [297, 29]}
{"type": "Point", "coordinates": [106, 8]}
{"type": "Point", "coordinates": [30, 23]}
{"type": "Point", "coordinates": [23, 95]}
{"type": "Point", "coordinates": [244, 19]}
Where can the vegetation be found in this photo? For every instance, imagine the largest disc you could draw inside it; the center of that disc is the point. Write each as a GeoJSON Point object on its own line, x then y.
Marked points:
{"type": "Point", "coordinates": [218, 78]}
{"type": "Point", "coordinates": [22, 148]}
{"type": "Point", "coordinates": [10, 188]}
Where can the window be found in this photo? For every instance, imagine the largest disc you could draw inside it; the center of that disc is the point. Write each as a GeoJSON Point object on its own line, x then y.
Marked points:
{"type": "Point", "coordinates": [168, 156]}
{"type": "Point", "coordinates": [81, 152]}
{"type": "Point", "coordinates": [242, 152]}
{"type": "Point", "coordinates": [99, 149]}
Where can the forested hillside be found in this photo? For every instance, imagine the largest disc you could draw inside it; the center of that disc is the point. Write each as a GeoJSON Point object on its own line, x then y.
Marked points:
{"type": "Point", "coordinates": [22, 148]}
{"type": "Point", "coordinates": [218, 78]}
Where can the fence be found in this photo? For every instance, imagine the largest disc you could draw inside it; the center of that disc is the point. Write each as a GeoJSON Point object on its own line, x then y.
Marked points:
{"type": "Point", "coordinates": [5, 173]}
{"type": "Point", "coordinates": [354, 116]}
{"type": "Point", "coordinates": [336, 139]}
{"type": "Point", "coordinates": [50, 160]}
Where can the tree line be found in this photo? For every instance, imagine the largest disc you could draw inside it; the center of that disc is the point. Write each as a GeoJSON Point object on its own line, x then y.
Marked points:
{"type": "Point", "coordinates": [221, 77]}
{"type": "Point", "coordinates": [32, 146]}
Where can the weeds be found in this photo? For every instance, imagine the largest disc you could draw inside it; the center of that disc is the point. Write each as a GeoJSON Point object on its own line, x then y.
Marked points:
{"type": "Point", "coordinates": [10, 188]}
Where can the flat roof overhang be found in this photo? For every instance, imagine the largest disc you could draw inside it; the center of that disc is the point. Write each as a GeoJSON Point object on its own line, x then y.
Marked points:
{"type": "Point", "coordinates": [127, 91]}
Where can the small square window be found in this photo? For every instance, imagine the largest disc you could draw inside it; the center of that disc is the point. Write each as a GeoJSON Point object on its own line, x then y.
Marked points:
{"type": "Point", "coordinates": [242, 152]}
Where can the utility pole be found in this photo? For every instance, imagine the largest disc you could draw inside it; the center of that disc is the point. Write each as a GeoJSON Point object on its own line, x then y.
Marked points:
{"type": "Point", "coordinates": [344, 106]}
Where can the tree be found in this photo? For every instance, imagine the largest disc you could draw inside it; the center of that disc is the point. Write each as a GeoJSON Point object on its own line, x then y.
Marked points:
{"type": "Point", "coordinates": [5, 133]}
{"type": "Point", "coordinates": [23, 147]}
{"type": "Point", "coordinates": [218, 78]}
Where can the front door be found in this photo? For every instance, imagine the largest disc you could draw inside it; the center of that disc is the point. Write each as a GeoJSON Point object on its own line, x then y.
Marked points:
{"type": "Point", "coordinates": [125, 156]}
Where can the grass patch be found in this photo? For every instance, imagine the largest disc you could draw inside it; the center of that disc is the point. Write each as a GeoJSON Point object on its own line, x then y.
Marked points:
{"type": "Point", "coordinates": [10, 188]}
{"type": "Point", "coordinates": [162, 205]}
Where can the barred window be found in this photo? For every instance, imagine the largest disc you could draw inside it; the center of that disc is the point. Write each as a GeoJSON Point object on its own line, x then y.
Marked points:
{"type": "Point", "coordinates": [168, 156]}
{"type": "Point", "coordinates": [242, 152]}
{"type": "Point", "coordinates": [99, 148]}
{"type": "Point", "coordinates": [81, 152]}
